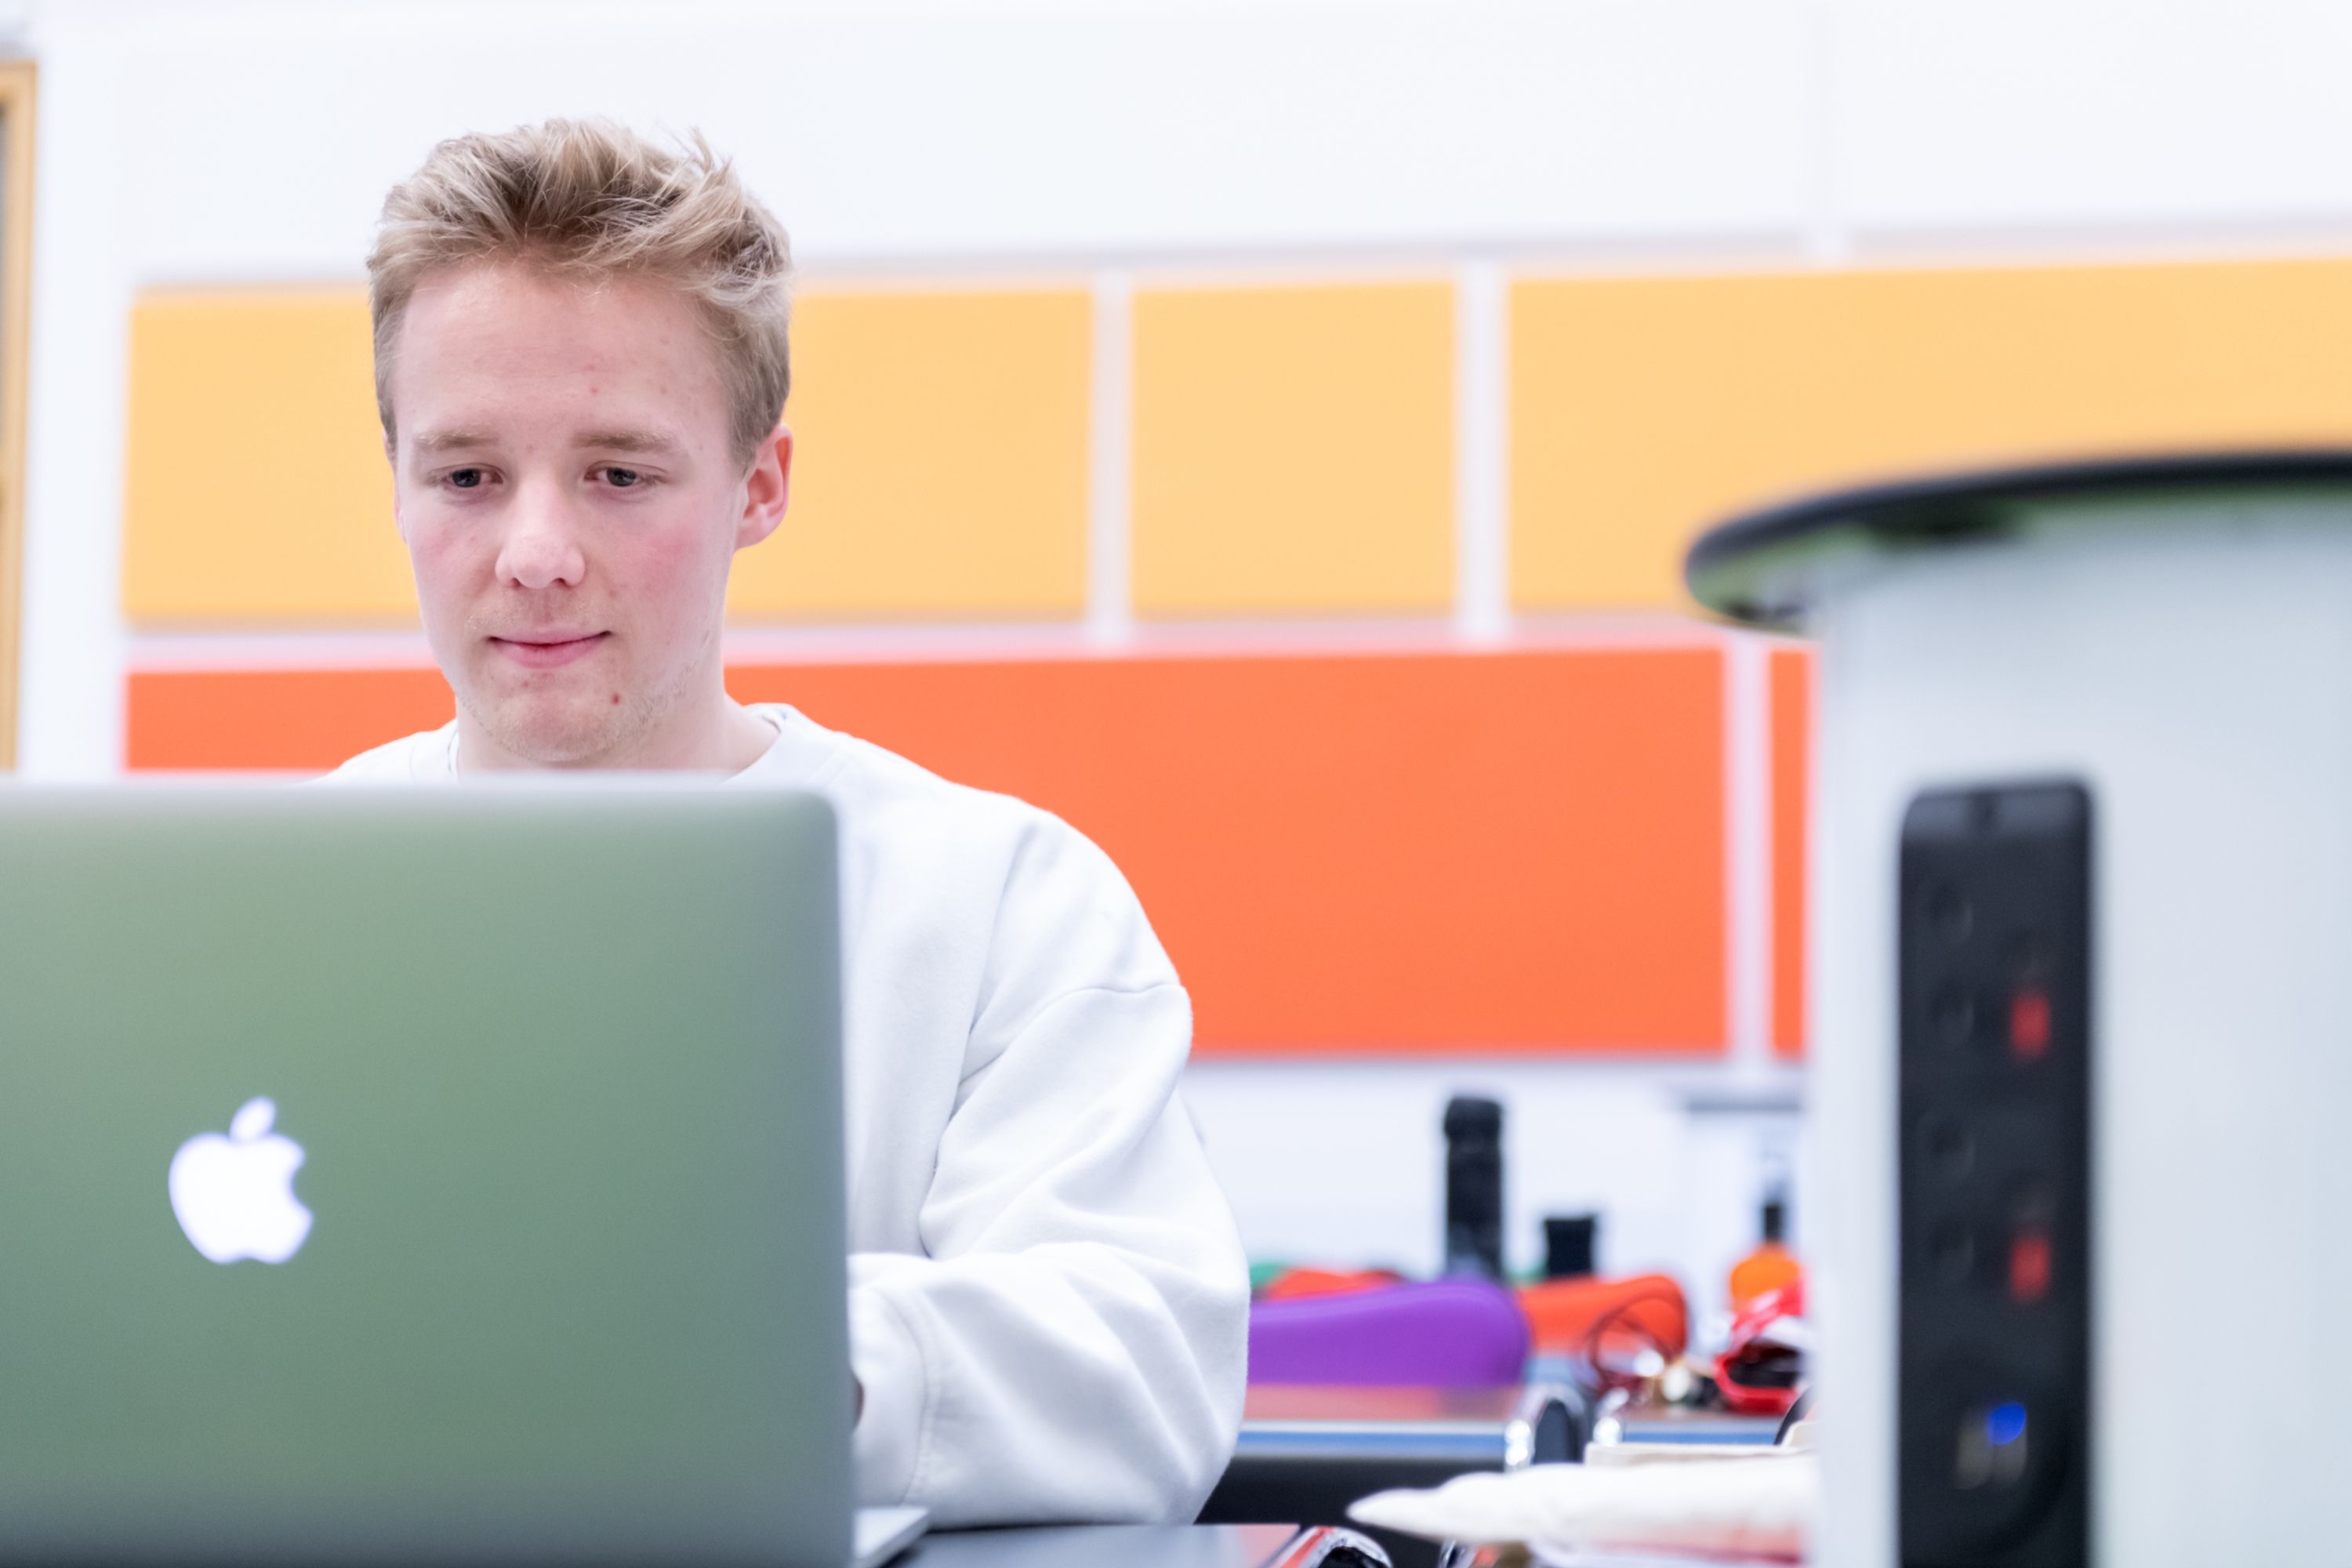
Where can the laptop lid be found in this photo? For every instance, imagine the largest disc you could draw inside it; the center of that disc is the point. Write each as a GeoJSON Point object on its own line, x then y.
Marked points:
{"type": "Point", "coordinates": [555, 1075]}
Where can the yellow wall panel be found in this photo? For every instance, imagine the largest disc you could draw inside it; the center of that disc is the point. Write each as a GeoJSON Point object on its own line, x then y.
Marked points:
{"type": "Point", "coordinates": [940, 463]}
{"type": "Point", "coordinates": [1644, 409]}
{"type": "Point", "coordinates": [256, 489]}
{"type": "Point", "coordinates": [1294, 449]}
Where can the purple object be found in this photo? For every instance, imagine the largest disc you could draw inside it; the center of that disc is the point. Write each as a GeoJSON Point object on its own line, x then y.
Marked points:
{"type": "Point", "coordinates": [1448, 1333]}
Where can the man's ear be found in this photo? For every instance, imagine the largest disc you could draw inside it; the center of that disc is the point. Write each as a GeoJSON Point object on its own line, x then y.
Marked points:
{"type": "Point", "coordinates": [766, 489]}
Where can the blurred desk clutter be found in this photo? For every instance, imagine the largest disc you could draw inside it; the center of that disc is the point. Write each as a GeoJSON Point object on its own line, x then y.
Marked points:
{"type": "Point", "coordinates": [1757, 1510]}
{"type": "Point", "coordinates": [1631, 1424]}
{"type": "Point", "coordinates": [1656, 1486]}
{"type": "Point", "coordinates": [1761, 1364]}
{"type": "Point", "coordinates": [1425, 1395]}
{"type": "Point", "coordinates": [1443, 1333]}
{"type": "Point", "coordinates": [1309, 1453]}
{"type": "Point", "coordinates": [1145, 1546]}
{"type": "Point", "coordinates": [1374, 1311]}
{"type": "Point", "coordinates": [1772, 1267]}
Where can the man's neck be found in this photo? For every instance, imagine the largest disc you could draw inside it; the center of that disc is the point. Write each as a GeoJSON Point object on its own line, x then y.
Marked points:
{"type": "Point", "coordinates": [726, 738]}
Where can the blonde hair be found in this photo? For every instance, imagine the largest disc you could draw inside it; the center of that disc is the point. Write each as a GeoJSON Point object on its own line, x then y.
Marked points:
{"type": "Point", "coordinates": [592, 199]}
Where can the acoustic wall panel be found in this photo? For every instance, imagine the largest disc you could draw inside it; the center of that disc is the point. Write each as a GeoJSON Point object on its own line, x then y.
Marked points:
{"type": "Point", "coordinates": [1390, 853]}
{"type": "Point", "coordinates": [1644, 409]}
{"type": "Point", "coordinates": [1792, 695]}
{"type": "Point", "coordinates": [256, 490]}
{"type": "Point", "coordinates": [301, 721]}
{"type": "Point", "coordinates": [1372, 853]}
{"type": "Point", "coordinates": [1399, 853]}
{"type": "Point", "coordinates": [940, 463]}
{"type": "Point", "coordinates": [940, 471]}
{"type": "Point", "coordinates": [1294, 449]}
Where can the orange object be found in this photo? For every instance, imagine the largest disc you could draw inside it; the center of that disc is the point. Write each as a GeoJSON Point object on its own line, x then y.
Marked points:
{"type": "Point", "coordinates": [1345, 854]}
{"type": "Point", "coordinates": [1577, 1316]}
{"type": "Point", "coordinates": [1772, 1267]}
{"type": "Point", "coordinates": [1300, 1283]}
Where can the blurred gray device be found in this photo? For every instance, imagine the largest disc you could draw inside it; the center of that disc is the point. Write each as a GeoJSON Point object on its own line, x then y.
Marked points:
{"type": "Point", "coordinates": [445, 1177]}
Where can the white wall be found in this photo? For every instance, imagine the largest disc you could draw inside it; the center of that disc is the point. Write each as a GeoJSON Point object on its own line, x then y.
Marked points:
{"type": "Point", "coordinates": [217, 140]}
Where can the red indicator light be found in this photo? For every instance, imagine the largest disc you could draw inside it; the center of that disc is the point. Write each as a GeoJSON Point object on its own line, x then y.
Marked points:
{"type": "Point", "coordinates": [2028, 1267]}
{"type": "Point", "coordinates": [2029, 1024]}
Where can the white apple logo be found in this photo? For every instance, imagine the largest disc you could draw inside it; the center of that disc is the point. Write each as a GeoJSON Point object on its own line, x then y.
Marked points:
{"type": "Point", "coordinates": [234, 1195]}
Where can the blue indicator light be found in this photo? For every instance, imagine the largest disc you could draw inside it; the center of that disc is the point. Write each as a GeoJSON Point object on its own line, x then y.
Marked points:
{"type": "Point", "coordinates": [2004, 1423]}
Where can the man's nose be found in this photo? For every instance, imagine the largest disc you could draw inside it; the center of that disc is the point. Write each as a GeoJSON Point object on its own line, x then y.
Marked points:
{"type": "Point", "coordinates": [541, 548]}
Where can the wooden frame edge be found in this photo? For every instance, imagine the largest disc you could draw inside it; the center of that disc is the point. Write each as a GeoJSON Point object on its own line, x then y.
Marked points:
{"type": "Point", "coordinates": [17, 128]}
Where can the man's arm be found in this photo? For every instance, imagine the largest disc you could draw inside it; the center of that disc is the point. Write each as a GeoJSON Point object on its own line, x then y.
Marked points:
{"type": "Point", "coordinates": [1073, 1346]}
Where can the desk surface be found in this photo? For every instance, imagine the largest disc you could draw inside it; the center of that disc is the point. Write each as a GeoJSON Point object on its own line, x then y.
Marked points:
{"type": "Point", "coordinates": [1447, 1429]}
{"type": "Point", "coordinates": [1653, 1423]}
{"type": "Point", "coordinates": [1104, 1546]}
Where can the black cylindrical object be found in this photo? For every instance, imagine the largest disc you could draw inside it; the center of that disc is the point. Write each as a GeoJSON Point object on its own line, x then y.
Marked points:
{"type": "Point", "coordinates": [1569, 1246]}
{"type": "Point", "coordinates": [1473, 1186]}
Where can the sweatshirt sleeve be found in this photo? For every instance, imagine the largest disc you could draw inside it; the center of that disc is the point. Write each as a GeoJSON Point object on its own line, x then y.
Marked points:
{"type": "Point", "coordinates": [1071, 1348]}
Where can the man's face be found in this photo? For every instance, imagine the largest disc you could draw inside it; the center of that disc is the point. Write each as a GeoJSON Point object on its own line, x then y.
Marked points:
{"type": "Point", "coordinates": [562, 478]}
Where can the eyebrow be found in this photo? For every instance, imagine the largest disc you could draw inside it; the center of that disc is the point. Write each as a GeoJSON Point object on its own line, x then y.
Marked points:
{"type": "Point", "coordinates": [451, 440]}
{"type": "Point", "coordinates": [646, 443]}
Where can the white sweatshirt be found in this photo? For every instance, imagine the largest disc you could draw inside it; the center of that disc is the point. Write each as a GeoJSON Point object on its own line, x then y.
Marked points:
{"type": "Point", "coordinates": [1047, 1297]}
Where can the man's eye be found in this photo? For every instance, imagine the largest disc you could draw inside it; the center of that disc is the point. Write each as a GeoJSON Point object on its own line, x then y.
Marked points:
{"type": "Point", "coordinates": [624, 478]}
{"type": "Point", "coordinates": [465, 478]}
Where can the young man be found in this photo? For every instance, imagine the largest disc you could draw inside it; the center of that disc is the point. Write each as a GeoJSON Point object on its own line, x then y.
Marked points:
{"type": "Point", "coordinates": [579, 360]}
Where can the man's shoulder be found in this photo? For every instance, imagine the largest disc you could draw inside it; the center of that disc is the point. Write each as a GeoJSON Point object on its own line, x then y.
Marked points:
{"type": "Point", "coordinates": [906, 801]}
{"type": "Point", "coordinates": [1061, 915]}
{"type": "Point", "coordinates": [412, 759]}
{"type": "Point", "coordinates": [842, 765]}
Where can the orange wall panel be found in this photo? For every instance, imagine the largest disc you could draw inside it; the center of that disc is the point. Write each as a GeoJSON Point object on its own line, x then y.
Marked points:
{"type": "Point", "coordinates": [1492, 852]}
{"type": "Point", "coordinates": [939, 465]}
{"type": "Point", "coordinates": [1385, 853]}
{"type": "Point", "coordinates": [941, 469]}
{"type": "Point", "coordinates": [255, 487]}
{"type": "Point", "coordinates": [299, 720]}
{"type": "Point", "coordinates": [1293, 450]}
{"type": "Point", "coordinates": [1644, 409]}
{"type": "Point", "coordinates": [1792, 801]}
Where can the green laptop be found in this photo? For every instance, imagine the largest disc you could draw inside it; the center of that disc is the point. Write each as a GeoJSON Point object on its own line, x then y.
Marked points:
{"type": "Point", "coordinates": [445, 1177]}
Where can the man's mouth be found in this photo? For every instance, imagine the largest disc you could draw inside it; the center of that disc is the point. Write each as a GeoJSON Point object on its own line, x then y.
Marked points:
{"type": "Point", "coordinates": [549, 650]}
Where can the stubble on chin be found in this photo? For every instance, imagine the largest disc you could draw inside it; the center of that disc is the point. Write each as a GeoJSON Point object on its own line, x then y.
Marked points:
{"type": "Point", "coordinates": [560, 728]}
{"type": "Point", "coordinates": [580, 724]}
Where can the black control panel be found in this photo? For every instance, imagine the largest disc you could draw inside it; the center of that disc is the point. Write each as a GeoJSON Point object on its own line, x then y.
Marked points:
{"type": "Point", "coordinates": [1993, 1405]}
